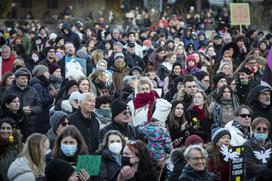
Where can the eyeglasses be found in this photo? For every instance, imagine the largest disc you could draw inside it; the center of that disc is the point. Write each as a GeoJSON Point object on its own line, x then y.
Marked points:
{"type": "Point", "coordinates": [65, 124]}
{"type": "Point", "coordinates": [127, 113]}
{"type": "Point", "coordinates": [259, 129]}
{"type": "Point", "coordinates": [245, 115]}
{"type": "Point", "coordinates": [197, 158]}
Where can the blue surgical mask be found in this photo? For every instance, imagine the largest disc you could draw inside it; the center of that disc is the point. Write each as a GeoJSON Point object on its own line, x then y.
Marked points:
{"type": "Point", "coordinates": [260, 136]}
{"type": "Point", "coordinates": [68, 150]}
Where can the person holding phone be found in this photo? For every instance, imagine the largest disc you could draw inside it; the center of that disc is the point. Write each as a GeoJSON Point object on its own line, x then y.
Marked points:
{"type": "Point", "coordinates": [137, 163]}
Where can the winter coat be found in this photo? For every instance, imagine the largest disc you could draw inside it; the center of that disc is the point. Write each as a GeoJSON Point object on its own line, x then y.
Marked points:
{"type": "Point", "coordinates": [7, 64]}
{"type": "Point", "coordinates": [8, 153]}
{"type": "Point", "coordinates": [28, 97]}
{"type": "Point", "coordinates": [127, 130]}
{"type": "Point", "coordinates": [256, 168]}
{"type": "Point", "coordinates": [155, 61]}
{"type": "Point", "coordinates": [189, 174]}
{"type": "Point", "coordinates": [52, 136]}
{"type": "Point", "coordinates": [47, 101]}
{"type": "Point", "coordinates": [238, 137]}
{"type": "Point", "coordinates": [89, 128]}
{"type": "Point", "coordinates": [202, 126]}
{"type": "Point", "coordinates": [19, 170]}
{"type": "Point", "coordinates": [117, 77]}
{"type": "Point", "coordinates": [71, 36]}
{"type": "Point", "coordinates": [222, 113]}
{"type": "Point", "coordinates": [258, 109]}
{"type": "Point", "coordinates": [109, 168]}
{"type": "Point", "coordinates": [159, 142]}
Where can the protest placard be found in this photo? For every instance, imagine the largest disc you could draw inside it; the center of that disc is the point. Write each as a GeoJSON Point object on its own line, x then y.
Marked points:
{"type": "Point", "coordinates": [237, 165]}
{"type": "Point", "coordinates": [91, 163]}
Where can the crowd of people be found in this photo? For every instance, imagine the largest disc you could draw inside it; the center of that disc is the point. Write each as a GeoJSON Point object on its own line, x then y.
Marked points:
{"type": "Point", "coordinates": [164, 102]}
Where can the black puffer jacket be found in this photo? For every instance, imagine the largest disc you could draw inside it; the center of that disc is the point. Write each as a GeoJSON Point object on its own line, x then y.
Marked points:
{"type": "Point", "coordinates": [189, 174]}
{"type": "Point", "coordinates": [71, 36]}
{"type": "Point", "coordinates": [88, 127]}
{"type": "Point", "coordinates": [257, 169]}
{"type": "Point", "coordinates": [109, 168]}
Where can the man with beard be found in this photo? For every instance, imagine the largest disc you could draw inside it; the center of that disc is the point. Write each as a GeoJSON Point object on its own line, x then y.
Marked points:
{"type": "Point", "coordinates": [259, 99]}
{"type": "Point", "coordinates": [50, 57]}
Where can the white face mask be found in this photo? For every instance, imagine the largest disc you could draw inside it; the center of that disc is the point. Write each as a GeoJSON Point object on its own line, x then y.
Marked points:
{"type": "Point", "coordinates": [115, 147]}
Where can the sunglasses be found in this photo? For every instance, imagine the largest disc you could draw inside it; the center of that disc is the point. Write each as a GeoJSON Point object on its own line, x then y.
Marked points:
{"type": "Point", "coordinates": [127, 113]}
{"type": "Point", "coordinates": [65, 124]}
{"type": "Point", "coordinates": [245, 115]}
{"type": "Point", "coordinates": [259, 129]}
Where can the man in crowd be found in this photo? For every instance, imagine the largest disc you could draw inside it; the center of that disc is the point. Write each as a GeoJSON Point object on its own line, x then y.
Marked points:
{"type": "Point", "coordinates": [86, 121]}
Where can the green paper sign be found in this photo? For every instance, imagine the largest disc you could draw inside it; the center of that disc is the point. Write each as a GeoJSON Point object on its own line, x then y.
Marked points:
{"type": "Point", "coordinates": [91, 163]}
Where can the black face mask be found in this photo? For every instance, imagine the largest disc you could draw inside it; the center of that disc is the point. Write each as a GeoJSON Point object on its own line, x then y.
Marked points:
{"type": "Point", "coordinates": [125, 161]}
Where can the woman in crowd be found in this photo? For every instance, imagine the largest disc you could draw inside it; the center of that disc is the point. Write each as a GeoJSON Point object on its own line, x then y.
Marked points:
{"type": "Point", "coordinates": [222, 109]}
{"type": "Point", "coordinates": [198, 116]}
{"type": "Point", "coordinates": [103, 110]}
{"type": "Point", "coordinates": [151, 74]}
{"type": "Point", "coordinates": [166, 67]}
{"type": "Point", "coordinates": [69, 144]}
{"type": "Point", "coordinates": [136, 163]}
{"type": "Point", "coordinates": [31, 164]}
{"type": "Point", "coordinates": [7, 82]}
{"type": "Point", "coordinates": [84, 85]}
{"type": "Point", "coordinates": [111, 150]}
{"type": "Point", "coordinates": [101, 83]}
{"type": "Point", "coordinates": [181, 54]}
{"type": "Point", "coordinates": [169, 80]}
{"type": "Point", "coordinates": [141, 105]}
{"type": "Point", "coordinates": [195, 169]}
{"type": "Point", "coordinates": [11, 109]}
{"type": "Point", "coordinates": [217, 164]}
{"type": "Point", "coordinates": [191, 66]}
{"type": "Point", "coordinates": [226, 68]}
{"type": "Point", "coordinates": [10, 145]}
{"type": "Point", "coordinates": [178, 127]}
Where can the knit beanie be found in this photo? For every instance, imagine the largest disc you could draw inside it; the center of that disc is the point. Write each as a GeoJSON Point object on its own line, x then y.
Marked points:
{"type": "Point", "coordinates": [74, 96]}
{"type": "Point", "coordinates": [193, 139]}
{"type": "Point", "coordinates": [47, 49]}
{"type": "Point", "coordinates": [218, 77]}
{"type": "Point", "coordinates": [39, 70]}
{"type": "Point", "coordinates": [22, 72]}
{"type": "Point", "coordinates": [7, 75]}
{"type": "Point", "coordinates": [175, 103]}
{"type": "Point", "coordinates": [117, 107]}
{"type": "Point", "coordinates": [135, 68]}
{"type": "Point", "coordinates": [56, 119]}
{"type": "Point", "coordinates": [119, 55]}
{"type": "Point", "coordinates": [59, 170]}
{"type": "Point", "coordinates": [218, 133]}
{"type": "Point", "coordinates": [52, 67]}
{"type": "Point", "coordinates": [82, 53]}
{"type": "Point", "coordinates": [190, 57]}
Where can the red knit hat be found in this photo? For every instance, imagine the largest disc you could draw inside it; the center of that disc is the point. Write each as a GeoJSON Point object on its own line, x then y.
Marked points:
{"type": "Point", "coordinates": [192, 140]}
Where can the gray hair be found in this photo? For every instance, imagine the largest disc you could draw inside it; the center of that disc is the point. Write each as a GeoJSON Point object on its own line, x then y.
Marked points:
{"type": "Point", "coordinates": [5, 47]}
{"type": "Point", "coordinates": [187, 152]}
{"type": "Point", "coordinates": [84, 96]}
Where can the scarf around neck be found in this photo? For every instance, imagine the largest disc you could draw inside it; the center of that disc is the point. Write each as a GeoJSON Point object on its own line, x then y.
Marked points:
{"type": "Point", "coordinates": [143, 99]}
{"type": "Point", "coordinates": [201, 112]}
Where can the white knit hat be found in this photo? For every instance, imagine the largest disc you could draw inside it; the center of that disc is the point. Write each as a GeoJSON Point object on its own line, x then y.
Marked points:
{"type": "Point", "coordinates": [162, 110]}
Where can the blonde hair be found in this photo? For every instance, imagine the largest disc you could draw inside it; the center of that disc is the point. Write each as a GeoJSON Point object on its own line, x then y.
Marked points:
{"type": "Point", "coordinates": [142, 81]}
{"type": "Point", "coordinates": [34, 153]}
{"type": "Point", "coordinates": [97, 55]}
{"type": "Point", "coordinates": [98, 73]}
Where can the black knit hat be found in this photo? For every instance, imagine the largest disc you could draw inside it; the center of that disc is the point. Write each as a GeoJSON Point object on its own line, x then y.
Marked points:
{"type": "Point", "coordinates": [59, 170]}
{"type": "Point", "coordinates": [218, 77]}
{"type": "Point", "coordinates": [218, 133]}
{"type": "Point", "coordinates": [117, 107]}
{"type": "Point", "coordinates": [52, 67]}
